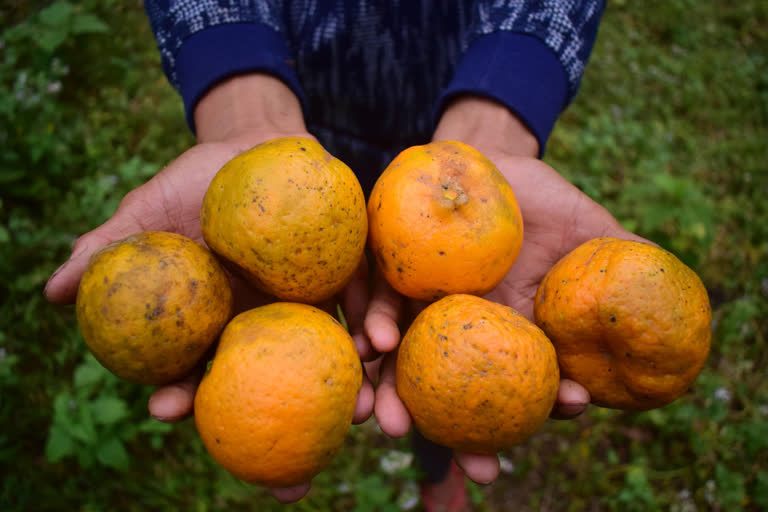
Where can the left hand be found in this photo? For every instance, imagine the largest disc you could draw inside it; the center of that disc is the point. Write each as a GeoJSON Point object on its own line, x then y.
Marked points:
{"type": "Point", "coordinates": [557, 218]}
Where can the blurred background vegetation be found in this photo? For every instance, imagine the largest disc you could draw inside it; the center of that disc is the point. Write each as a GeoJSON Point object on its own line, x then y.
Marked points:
{"type": "Point", "coordinates": [668, 132]}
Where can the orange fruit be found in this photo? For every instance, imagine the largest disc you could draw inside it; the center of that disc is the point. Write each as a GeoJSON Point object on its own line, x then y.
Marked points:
{"type": "Point", "coordinates": [630, 322]}
{"type": "Point", "coordinates": [150, 305]}
{"type": "Point", "coordinates": [475, 375]}
{"type": "Point", "coordinates": [278, 399]}
{"type": "Point", "coordinates": [443, 220]}
{"type": "Point", "coordinates": [290, 217]}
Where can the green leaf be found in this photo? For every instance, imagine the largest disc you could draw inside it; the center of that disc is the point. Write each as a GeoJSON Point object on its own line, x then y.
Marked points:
{"type": "Point", "coordinates": [342, 318]}
{"type": "Point", "coordinates": [59, 444]}
{"type": "Point", "coordinates": [56, 14]}
{"type": "Point", "coordinates": [108, 410]}
{"type": "Point", "coordinates": [50, 39]}
{"type": "Point", "coordinates": [111, 453]}
{"type": "Point", "coordinates": [760, 489]}
{"type": "Point", "coordinates": [88, 24]}
{"type": "Point", "coordinates": [730, 487]}
{"type": "Point", "coordinates": [152, 426]}
{"type": "Point", "coordinates": [88, 375]}
{"type": "Point", "coordinates": [11, 175]}
{"type": "Point", "coordinates": [62, 408]}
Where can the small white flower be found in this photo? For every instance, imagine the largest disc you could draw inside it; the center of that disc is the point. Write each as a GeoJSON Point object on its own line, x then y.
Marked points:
{"type": "Point", "coordinates": [409, 496]}
{"type": "Point", "coordinates": [394, 461]}
{"type": "Point", "coordinates": [3, 353]}
{"type": "Point", "coordinates": [506, 465]}
{"type": "Point", "coordinates": [723, 394]}
{"type": "Point", "coordinates": [344, 488]}
{"type": "Point", "coordinates": [54, 87]}
{"type": "Point", "coordinates": [709, 491]}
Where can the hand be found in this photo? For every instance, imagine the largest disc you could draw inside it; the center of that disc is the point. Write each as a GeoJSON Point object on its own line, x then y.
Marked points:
{"type": "Point", "coordinates": [557, 218]}
{"type": "Point", "coordinates": [171, 201]}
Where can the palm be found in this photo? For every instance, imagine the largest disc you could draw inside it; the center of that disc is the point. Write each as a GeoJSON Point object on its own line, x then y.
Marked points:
{"type": "Point", "coordinates": [557, 217]}
{"type": "Point", "coordinates": [170, 201]}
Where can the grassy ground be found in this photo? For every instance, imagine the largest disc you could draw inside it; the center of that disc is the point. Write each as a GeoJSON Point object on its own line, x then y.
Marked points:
{"type": "Point", "coordinates": [668, 132]}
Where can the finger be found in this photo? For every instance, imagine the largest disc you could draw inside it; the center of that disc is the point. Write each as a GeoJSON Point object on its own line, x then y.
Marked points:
{"type": "Point", "coordinates": [62, 285]}
{"type": "Point", "coordinates": [391, 414]}
{"type": "Point", "coordinates": [481, 469]}
{"type": "Point", "coordinates": [355, 300]}
{"type": "Point", "coordinates": [137, 212]}
{"type": "Point", "coordinates": [572, 400]}
{"type": "Point", "coordinates": [383, 315]}
{"type": "Point", "coordinates": [290, 494]}
{"type": "Point", "coordinates": [372, 370]}
{"type": "Point", "coordinates": [365, 400]}
{"type": "Point", "coordinates": [174, 402]}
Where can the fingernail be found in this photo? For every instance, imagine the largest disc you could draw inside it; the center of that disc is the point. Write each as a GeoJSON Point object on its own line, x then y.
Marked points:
{"type": "Point", "coordinates": [55, 273]}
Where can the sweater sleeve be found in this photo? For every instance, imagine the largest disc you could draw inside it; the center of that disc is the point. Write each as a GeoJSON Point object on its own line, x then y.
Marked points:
{"type": "Point", "coordinates": [528, 55]}
{"type": "Point", "coordinates": [202, 43]}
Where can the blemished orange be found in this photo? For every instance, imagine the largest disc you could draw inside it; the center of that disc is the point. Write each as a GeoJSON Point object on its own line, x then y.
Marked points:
{"type": "Point", "coordinates": [630, 322]}
{"type": "Point", "coordinates": [443, 220]}
{"type": "Point", "coordinates": [289, 217]}
{"type": "Point", "coordinates": [278, 399]}
{"type": "Point", "coordinates": [476, 376]}
{"type": "Point", "coordinates": [149, 306]}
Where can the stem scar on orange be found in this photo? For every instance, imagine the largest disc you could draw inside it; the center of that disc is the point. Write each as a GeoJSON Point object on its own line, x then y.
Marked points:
{"type": "Point", "coordinates": [278, 399]}
{"type": "Point", "coordinates": [630, 322]}
{"type": "Point", "coordinates": [475, 375]}
{"type": "Point", "coordinates": [149, 306]}
{"type": "Point", "coordinates": [443, 220]}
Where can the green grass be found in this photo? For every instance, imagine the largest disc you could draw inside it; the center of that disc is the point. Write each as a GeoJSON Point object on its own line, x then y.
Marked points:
{"type": "Point", "coordinates": [668, 132]}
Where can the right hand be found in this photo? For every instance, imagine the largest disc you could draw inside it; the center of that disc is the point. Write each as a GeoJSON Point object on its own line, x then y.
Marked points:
{"type": "Point", "coordinates": [171, 201]}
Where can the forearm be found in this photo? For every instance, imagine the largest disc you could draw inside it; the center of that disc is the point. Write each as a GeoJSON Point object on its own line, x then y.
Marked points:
{"type": "Point", "coordinates": [486, 125]}
{"type": "Point", "coordinates": [248, 103]}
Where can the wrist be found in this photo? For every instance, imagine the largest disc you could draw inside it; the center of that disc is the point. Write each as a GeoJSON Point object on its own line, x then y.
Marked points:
{"type": "Point", "coordinates": [248, 103]}
{"type": "Point", "coordinates": [486, 125]}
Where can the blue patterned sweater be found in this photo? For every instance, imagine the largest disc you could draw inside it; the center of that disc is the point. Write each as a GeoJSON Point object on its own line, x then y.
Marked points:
{"type": "Point", "coordinates": [373, 75]}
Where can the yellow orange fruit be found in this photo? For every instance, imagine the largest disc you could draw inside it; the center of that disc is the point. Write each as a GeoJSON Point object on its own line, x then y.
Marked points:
{"type": "Point", "coordinates": [630, 322]}
{"type": "Point", "coordinates": [475, 375]}
{"type": "Point", "coordinates": [443, 220]}
{"type": "Point", "coordinates": [278, 399]}
{"type": "Point", "coordinates": [150, 305]}
{"type": "Point", "coordinates": [290, 217]}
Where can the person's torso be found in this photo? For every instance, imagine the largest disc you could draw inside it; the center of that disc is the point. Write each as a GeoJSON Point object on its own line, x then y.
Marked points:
{"type": "Point", "coordinates": [375, 67]}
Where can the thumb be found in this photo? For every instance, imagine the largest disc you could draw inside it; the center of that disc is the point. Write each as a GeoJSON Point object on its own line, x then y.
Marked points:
{"type": "Point", "coordinates": [129, 218]}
